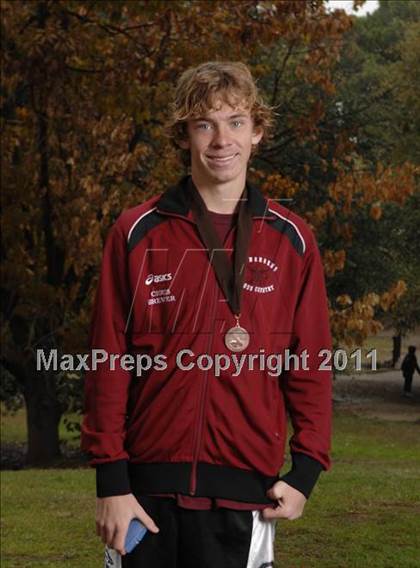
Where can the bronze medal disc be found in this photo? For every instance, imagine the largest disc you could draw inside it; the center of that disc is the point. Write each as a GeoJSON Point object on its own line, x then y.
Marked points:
{"type": "Point", "coordinates": [237, 338]}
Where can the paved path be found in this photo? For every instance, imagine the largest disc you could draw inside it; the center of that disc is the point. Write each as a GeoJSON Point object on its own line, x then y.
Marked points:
{"type": "Point", "coordinates": [377, 395]}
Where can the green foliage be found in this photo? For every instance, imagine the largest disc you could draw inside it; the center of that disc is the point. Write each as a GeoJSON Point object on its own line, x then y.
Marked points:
{"type": "Point", "coordinates": [377, 81]}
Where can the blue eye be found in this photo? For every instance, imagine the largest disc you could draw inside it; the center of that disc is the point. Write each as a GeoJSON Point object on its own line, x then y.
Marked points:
{"type": "Point", "coordinates": [203, 126]}
{"type": "Point", "coordinates": [237, 123]}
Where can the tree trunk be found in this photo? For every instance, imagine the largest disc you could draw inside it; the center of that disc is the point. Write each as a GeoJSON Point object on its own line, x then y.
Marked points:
{"type": "Point", "coordinates": [43, 414]}
{"type": "Point", "coordinates": [396, 348]}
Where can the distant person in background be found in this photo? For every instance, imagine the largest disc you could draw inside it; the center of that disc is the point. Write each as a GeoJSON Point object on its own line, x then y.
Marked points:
{"type": "Point", "coordinates": [408, 366]}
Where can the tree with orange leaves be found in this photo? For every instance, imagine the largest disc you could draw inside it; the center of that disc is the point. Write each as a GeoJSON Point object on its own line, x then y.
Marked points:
{"type": "Point", "coordinates": [84, 110]}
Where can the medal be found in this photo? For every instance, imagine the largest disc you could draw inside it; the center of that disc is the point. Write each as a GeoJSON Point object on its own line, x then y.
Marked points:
{"type": "Point", "coordinates": [237, 338]}
{"type": "Point", "coordinates": [230, 278]}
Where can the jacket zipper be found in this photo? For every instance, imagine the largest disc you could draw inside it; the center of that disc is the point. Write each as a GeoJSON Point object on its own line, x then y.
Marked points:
{"type": "Point", "coordinates": [203, 394]}
{"type": "Point", "coordinates": [202, 405]}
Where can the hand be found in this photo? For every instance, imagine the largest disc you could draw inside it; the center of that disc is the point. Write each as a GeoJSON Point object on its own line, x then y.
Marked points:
{"type": "Point", "coordinates": [113, 516]}
{"type": "Point", "coordinates": [291, 502]}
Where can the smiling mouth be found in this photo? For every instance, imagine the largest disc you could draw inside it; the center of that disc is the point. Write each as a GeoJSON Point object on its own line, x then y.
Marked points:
{"type": "Point", "coordinates": [221, 160]}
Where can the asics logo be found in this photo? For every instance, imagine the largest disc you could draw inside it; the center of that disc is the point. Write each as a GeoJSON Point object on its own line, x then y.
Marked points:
{"type": "Point", "coordinates": [155, 278]}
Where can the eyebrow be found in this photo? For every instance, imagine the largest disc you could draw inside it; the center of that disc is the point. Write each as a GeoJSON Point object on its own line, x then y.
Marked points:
{"type": "Point", "coordinates": [228, 118]}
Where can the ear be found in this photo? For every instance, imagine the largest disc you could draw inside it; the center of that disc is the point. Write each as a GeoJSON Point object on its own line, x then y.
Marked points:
{"type": "Point", "coordinates": [257, 134]}
{"type": "Point", "coordinates": [184, 143]}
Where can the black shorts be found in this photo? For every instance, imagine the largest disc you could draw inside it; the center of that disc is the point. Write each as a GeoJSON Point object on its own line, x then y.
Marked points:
{"type": "Point", "coordinates": [217, 538]}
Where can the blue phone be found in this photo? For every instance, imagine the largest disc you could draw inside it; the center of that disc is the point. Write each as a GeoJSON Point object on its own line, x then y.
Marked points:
{"type": "Point", "coordinates": [135, 534]}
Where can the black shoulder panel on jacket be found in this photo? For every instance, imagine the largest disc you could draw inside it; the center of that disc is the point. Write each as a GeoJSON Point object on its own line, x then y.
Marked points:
{"type": "Point", "coordinates": [290, 230]}
{"type": "Point", "coordinates": [142, 226]}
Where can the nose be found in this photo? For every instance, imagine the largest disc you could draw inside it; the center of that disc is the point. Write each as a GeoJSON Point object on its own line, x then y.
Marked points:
{"type": "Point", "coordinates": [221, 137]}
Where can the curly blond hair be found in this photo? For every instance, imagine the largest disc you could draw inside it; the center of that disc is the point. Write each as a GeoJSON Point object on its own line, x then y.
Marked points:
{"type": "Point", "coordinates": [201, 89]}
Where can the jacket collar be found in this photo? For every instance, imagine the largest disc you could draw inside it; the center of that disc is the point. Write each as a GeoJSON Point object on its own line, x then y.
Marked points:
{"type": "Point", "coordinates": [177, 201]}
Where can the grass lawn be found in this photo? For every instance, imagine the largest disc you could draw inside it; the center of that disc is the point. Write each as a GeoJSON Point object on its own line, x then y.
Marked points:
{"type": "Point", "coordinates": [13, 427]}
{"type": "Point", "coordinates": [363, 513]}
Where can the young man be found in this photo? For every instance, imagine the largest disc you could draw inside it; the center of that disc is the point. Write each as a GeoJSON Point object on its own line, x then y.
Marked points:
{"type": "Point", "coordinates": [214, 288]}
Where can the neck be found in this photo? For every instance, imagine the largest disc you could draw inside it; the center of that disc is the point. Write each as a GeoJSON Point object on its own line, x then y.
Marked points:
{"type": "Point", "coordinates": [222, 197]}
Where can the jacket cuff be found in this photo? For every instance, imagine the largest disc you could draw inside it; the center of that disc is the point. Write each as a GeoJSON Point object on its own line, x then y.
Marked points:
{"type": "Point", "coordinates": [304, 473]}
{"type": "Point", "coordinates": [112, 479]}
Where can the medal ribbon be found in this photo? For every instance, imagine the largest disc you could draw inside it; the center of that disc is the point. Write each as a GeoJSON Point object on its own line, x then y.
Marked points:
{"type": "Point", "coordinates": [230, 278]}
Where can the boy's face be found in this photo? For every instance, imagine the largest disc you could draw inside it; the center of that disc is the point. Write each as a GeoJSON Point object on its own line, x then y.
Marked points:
{"type": "Point", "coordinates": [220, 143]}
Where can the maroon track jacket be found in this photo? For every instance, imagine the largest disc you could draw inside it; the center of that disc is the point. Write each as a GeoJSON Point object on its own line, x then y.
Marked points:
{"type": "Point", "coordinates": [173, 430]}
